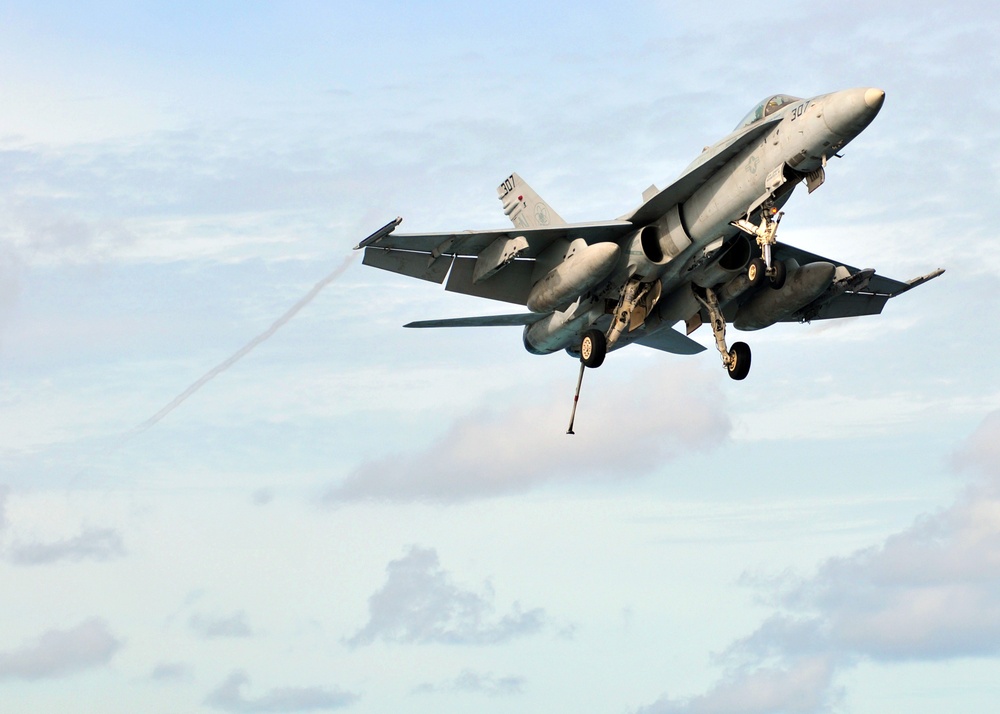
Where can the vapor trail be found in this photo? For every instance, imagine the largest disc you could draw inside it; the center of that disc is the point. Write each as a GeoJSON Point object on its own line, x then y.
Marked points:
{"type": "Point", "coordinates": [242, 352]}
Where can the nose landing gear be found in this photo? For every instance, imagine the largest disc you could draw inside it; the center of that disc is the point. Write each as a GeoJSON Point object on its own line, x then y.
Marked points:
{"type": "Point", "coordinates": [766, 235]}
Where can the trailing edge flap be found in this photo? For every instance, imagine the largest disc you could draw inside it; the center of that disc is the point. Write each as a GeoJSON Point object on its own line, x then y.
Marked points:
{"type": "Point", "coordinates": [415, 265]}
{"type": "Point", "coordinates": [669, 340]}
{"type": "Point", "coordinates": [698, 173]}
{"type": "Point", "coordinates": [518, 320]}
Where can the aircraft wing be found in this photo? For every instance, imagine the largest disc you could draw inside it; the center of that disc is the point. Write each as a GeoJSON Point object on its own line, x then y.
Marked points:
{"type": "Point", "coordinates": [699, 173]}
{"type": "Point", "coordinates": [518, 320]}
{"type": "Point", "coordinates": [472, 243]}
{"type": "Point", "coordinates": [505, 276]}
{"type": "Point", "coordinates": [856, 292]}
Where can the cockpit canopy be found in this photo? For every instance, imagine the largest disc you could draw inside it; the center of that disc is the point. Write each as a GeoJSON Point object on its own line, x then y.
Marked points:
{"type": "Point", "coordinates": [766, 108]}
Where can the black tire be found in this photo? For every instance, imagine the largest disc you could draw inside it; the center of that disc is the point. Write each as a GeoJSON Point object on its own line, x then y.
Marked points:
{"type": "Point", "coordinates": [739, 363]}
{"type": "Point", "coordinates": [593, 348]}
{"type": "Point", "coordinates": [778, 279]}
{"type": "Point", "coordinates": [756, 271]}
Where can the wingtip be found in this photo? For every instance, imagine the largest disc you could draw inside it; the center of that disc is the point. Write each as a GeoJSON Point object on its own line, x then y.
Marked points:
{"type": "Point", "coordinates": [924, 278]}
{"type": "Point", "coordinates": [919, 281]}
{"type": "Point", "coordinates": [380, 233]}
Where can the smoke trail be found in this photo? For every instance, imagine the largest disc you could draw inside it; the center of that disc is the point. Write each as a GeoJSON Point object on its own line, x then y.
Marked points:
{"type": "Point", "coordinates": [241, 353]}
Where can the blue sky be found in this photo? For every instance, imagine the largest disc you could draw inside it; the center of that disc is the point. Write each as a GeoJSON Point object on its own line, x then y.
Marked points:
{"type": "Point", "coordinates": [363, 518]}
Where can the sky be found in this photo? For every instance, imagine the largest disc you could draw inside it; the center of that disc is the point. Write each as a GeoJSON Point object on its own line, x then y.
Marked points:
{"type": "Point", "coordinates": [231, 482]}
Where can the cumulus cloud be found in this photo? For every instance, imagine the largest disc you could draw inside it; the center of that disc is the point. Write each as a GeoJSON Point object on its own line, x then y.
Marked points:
{"type": "Point", "coordinates": [262, 496]}
{"type": "Point", "coordinates": [980, 454]}
{"type": "Point", "coordinates": [10, 284]}
{"type": "Point", "coordinates": [57, 653]}
{"type": "Point", "coordinates": [474, 682]}
{"type": "Point", "coordinates": [92, 544]}
{"type": "Point", "coordinates": [229, 697]}
{"type": "Point", "coordinates": [803, 686]}
{"type": "Point", "coordinates": [170, 672]}
{"type": "Point", "coordinates": [213, 627]}
{"type": "Point", "coordinates": [667, 412]}
{"type": "Point", "coordinates": [420, 604]}
{"type": "Point", "coordinates": [929, 592]}
{"type": "Point", "coordinates": [4, 491]}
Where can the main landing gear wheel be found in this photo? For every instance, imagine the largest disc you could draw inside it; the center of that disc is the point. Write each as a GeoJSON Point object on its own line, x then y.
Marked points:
{"type": "Point", "coordinates": [736, 360]}
{"type": "Point", "coordinates": [739, 361]}
{"type": "Point", "coordinates": [593, 348]}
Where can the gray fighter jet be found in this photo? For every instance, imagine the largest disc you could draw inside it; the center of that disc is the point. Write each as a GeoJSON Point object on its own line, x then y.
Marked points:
{"type": "Point", "coordinates": [704, 249]}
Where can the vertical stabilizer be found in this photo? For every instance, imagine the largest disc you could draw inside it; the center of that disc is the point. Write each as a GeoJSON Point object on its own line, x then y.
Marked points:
{"type": "Point", "coordinates": [524, 207]}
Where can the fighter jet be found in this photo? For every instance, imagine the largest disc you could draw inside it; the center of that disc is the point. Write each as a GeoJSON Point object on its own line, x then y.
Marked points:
{"type": "Point", "coordinates": [702, 250]}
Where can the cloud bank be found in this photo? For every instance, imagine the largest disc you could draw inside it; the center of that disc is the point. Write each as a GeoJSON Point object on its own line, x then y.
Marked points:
{"type": "Point", "coordinates": [930, 592]}
{"type": "Point", "coordinates": [624, 430]}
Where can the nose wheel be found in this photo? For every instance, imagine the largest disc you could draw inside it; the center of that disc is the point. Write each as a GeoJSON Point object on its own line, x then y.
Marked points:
{"type": "Point", "coordinates": [766, 235]}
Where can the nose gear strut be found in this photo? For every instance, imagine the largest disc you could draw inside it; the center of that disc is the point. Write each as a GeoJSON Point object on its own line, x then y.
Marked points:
{"type": "Point", "coordinates": [735, 360]}
{"type": "Point", "coordinates": [766, 235]}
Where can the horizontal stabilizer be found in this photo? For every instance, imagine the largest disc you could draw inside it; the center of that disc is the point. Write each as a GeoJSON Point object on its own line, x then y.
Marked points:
{"type": "Point", "coordinates": [518, 320]}
{"type": "Point", "coordinates": [669, 340]}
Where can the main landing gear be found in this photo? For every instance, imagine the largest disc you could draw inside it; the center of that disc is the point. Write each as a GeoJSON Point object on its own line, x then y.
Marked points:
{"type": "Point", "coordinates": [593, 349]}
{"type": "Point", "coordinates": [766, 235]}
{"type": "Point", "coordinates": [636, 301]}
{"type": "Point", "coordinates": [735, 360]}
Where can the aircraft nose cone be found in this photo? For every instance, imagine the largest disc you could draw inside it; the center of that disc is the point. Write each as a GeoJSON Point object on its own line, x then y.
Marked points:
{"type": "Point", "coordinates": [847, 113]}
{"type": "Point", "coordinates": [874, 98]}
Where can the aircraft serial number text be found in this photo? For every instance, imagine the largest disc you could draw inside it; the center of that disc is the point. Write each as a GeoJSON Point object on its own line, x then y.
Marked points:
{"type": "Point", "coordinates": [507, 185]}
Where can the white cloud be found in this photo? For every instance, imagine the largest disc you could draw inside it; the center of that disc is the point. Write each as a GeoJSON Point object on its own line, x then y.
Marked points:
{"type": "Point", "coordinates": [981, 453]}
{"type": "Point", "coordinates": [171, 672]}
{"type": "Point", "coordinates": [229, 697]}
{"type": "Point", "coordinates": [477, 683]}
{"type": "Point", "coordinates": [4, 493]}
{"type": "Point", "coordinates": [99, 544]}
{"type": "Point", "coordinates": [58, 653]}
{"type": "Point", "coordinates": [625, 430]}
{"type": "Point", "coordinates": [420, 604]}
{"type": "Point", "coordinates": [801, 688]}
{"type": "Point", "coordinates": [212, 627]}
